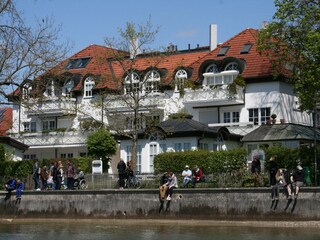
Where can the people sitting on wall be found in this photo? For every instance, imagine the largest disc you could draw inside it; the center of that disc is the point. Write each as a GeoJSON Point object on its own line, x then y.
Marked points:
{"type": "Point", "coordinates": [197, 176]}
{"type": "Point", "coordinates": [187, 176]}
{"type": "Point", "coordinates": [129, 170]}
{"type": "Point", "coordinates": [296, 182]}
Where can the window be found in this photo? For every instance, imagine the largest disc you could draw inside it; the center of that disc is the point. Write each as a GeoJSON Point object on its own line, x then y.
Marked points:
{"type": "Point", "coordinates": [213, 68]}
{"type": "Point", "coordinates": [139, 150]}
{"type": "Point", "coordinates": [48, 125]}
{"type": "Point", "coordinates": [162, 148]}
{"type": "Point", "coordinates": [26, 91]}
{"type": "Point", "coordinates": [177, 147]}
{"type": "Point", "coordinates": [63, 155]}
{"type": "Point", "coordinates": [225, 77]}
{"type": "Point", "coordinates": [204, 146]}
{"type": "Point", "coordinates": [132, 83]}
{"type": "Point", "coordinates": [29, 156]}
{"type": "Point", "coordinates": [83, 154]}
{"type": "Point", "coordinates": [259, 115]}
{"type": "Point", "coordinates": [66, 90]}
{"type": "Point", "coordinates": [129, 153]}
{"type": "Point", "coordinates": [88, 86]}
{"type": "Point", "coordinates": [152, 81]}
{"type": "Point", "coordinates": [30, 126]}
{"type": "Point", "coordinates": [231, 117]}
{"type": "Point", "coordinates": [70, 155]}
{"type": "Point", "coordinates": [153, 153]}
{"type": "Point", "coordinates": [231, 66]}
{"type": "Point", "coordinates": [186, 146]}
{"type": "Point", "coordinates": [246, 48]}
{"type": "Point", "coordinates": [223, 51]}
{"type": "Point", "coordinates": [130, 123]}
{"type": "Point", "coordinates": [77, 63]}
{"type": "Point", "coordinates": [180, 78]}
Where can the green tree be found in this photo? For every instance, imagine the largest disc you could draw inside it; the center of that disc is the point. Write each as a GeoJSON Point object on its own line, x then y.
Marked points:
{"type": "Point", "coordinates": [292, 40]}
{"type": "Point", "coordinates": [101, 144]}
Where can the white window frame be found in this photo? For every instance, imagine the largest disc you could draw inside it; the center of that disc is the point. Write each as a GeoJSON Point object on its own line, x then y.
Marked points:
{"type": "Point", "coordinates": [88, 85]}
{"type": "Point", "coordinates": [231, 116]}
{"type": "Point", "coordinates": [49, 124]}
{"type": "Point", "coordinates": [30, 127]}
{"type": "Point", "coordinates": [152, 80]}
{"type": "Point", "coordinates": [153, 151]}
{"type": "Point", "coordinates": [221, 78]}
{"type": "Point", "coordinates": [259, 115]}
{"type": "Point", "coordinates": [132, 83]}
{"type": "Point", "coordinates": [180, 78]}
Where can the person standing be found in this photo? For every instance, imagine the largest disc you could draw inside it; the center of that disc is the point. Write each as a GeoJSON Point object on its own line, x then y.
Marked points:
{"type": "Point", "coordinates": [59, 175]}
{"type": "Point", "coordinates": [122, 173]}
{"type": "Point", "coordinates": [55, 175]}
{"type": "Point", "coordinates": [273, 169]}
{"type": "Point", "coordinates": [36, 175]}
{"type": "Point", "coordinates": [44, 177]}
{"type": "Point", "coordinates": [187, 176]}
{"type": "Point", "coordinates": [255, 170]}
{"type": "Point", "coordinates": [70, 175]}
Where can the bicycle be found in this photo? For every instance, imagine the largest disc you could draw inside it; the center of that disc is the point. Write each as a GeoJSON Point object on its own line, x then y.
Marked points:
{"type": "Point", "coordinates": [132, 182]}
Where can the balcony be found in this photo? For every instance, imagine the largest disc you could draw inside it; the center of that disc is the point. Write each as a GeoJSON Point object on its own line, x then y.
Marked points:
{"type": "Point", "coordinates": [43, 140]}
{"type": "Point", "coordinates": [51, 107]}
{"type": "Point", "coordinates": [214, 96]}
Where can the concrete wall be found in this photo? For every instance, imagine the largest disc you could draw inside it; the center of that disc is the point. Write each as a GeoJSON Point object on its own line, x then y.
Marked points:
{"type": "Point", "coordinates": [245, 203]}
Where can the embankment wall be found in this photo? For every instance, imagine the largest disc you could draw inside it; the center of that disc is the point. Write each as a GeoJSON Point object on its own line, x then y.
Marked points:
{"type": "Point", "coordinates": [233, 203]}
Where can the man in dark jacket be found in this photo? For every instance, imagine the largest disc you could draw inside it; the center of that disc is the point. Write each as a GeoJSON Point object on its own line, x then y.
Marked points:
{"type": "Point", "coordinates": [122, 173]}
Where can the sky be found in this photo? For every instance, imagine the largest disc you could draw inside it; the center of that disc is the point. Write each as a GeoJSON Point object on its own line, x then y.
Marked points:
{"type": "Point", "coordinates": [180, 22]}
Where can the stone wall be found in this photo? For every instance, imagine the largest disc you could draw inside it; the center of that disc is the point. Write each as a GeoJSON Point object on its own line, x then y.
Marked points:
{"type": "Point", "coordinates": [244, 203]}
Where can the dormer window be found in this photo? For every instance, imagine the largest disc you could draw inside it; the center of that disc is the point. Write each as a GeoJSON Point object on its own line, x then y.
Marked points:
{"type": "Point", "coordinates": [180, 78]}
{"type": "Point", "coordinates": [66, 90]}
{"type": "Point", "coordinates": [132, 83]}
{"type": "Point", "coordinates": [212, 68]}
{"type": "Point", "coordinates": [89, 84]}
{"type": "Point", "coordinates": [77, 63]}
{"type": "Point", "coordinates": [152, 81]}
{"type": "Point", "coordinates": [222, 78]}
{"type": "Point", "coordinates": [26, 90]}
{"type": "Point", "coordinates": [231, 66]}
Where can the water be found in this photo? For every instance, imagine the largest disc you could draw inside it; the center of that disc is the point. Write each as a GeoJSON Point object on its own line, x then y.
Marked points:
{"type": "Point", "coordinates": [155, 231]}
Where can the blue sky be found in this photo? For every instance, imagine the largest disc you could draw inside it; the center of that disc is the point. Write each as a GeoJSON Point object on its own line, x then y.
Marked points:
{"type": "Point", "coordinates": [181, 22]}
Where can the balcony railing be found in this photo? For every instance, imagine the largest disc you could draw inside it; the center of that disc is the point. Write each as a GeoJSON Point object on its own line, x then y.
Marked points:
{"type": "Point", "coordinates": [217, 95]}
{"type": "Point", "coordinates": [53, 107]}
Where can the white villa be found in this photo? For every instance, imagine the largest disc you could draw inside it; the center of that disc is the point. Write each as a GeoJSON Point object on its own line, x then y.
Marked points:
{"type": "Point", "coordinates": [227, 88]}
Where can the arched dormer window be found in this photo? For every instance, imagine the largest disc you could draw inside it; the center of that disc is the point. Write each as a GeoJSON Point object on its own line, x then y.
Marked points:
{"type": "Point", "coordinates": [26, 90]}
{"type": "Point", "coordinates": [152, 81]}
{"type": "Point", "coordinates": [232, 66]}
{"type": "Point", "coordinates": [89, 84]}
{"type": "Point", "coordinates": [180, 78]}
{"type": "Point", "coordinates": [66, 89]}
{"type": "Point", "coordinates": [212, 68]}
{"type": "Point", "coordinates": [132, 83]}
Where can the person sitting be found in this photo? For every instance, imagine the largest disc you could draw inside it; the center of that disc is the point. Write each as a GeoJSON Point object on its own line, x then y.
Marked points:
{"type": "Point", "coordinates": [197, 176]}
{"type": "Point", "coordinates": [171, 184]}
{"type": "Point", "coordinates": [19, 189]}
{"type": "Point", "coordinates": [10, 186]}
{"type": "Point", "coordinates": [296, 180]}
{"type": "Point", "coordinates": [187, 176]}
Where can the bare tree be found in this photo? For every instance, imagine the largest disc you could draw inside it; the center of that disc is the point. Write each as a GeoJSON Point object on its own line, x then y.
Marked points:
{"type": "Point", "coordinates": [128, 110]}
{"type": "Point", "coordinates": [25, 52]}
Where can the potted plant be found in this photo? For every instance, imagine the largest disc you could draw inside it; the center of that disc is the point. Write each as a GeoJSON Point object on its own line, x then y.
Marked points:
{"type": "Point", "coordinates": [273, 117]}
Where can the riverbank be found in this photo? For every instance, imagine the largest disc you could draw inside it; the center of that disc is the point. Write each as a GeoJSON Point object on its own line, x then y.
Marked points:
{"type": "Point", "coordinates": [167, 222]}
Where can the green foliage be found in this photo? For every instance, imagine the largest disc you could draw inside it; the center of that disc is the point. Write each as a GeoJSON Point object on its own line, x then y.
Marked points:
{"type": "Point", "coordinates": [292, 41]}
{"type": "Point", "coordinates": [101, 144]}
{"type": "Point", "coordinates": [209, 162]}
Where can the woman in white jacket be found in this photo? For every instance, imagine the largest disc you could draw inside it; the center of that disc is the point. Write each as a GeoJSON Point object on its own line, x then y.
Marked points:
{"type": "Point", "coordinates": [171, 184]}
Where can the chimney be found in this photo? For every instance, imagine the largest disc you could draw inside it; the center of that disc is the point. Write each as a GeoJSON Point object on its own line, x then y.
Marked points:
{"type": "Point", "coordinates": [134, 48]}
{"type": "Point", "coordinates": [213, 36]}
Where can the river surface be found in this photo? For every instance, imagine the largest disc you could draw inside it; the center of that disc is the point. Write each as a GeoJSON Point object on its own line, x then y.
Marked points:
{"type": "Point", "coordinates": [153, 230]}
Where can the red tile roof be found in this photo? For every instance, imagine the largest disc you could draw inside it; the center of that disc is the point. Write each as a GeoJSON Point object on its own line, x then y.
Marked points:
{"type": "Point", "coordinates": [5, 120]}
{"type": "Point", "coordinates": [110, 72]}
